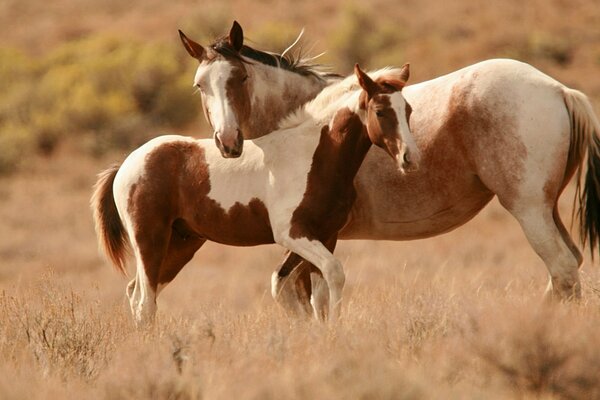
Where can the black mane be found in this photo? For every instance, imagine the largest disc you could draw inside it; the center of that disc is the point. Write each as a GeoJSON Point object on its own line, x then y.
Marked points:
{"type": "Point", "coordinates": [287, 61]}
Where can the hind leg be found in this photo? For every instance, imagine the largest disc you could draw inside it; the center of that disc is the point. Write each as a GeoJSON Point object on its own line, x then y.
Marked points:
{"type": "Point", "coordinates": [156, 267]}
{"type": "Point", "coordinates": [574, 251]}
{"type": "Point", "coordinates": [548, 238]}
{"type": "Point", "coordinates": [150, 249]}
{"type": "Point", "coordinates": [183, 244]}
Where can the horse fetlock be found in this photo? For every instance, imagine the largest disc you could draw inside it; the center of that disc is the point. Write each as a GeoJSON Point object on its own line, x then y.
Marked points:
{"type": "Point", "coordinates": [275, 285]}
{"type": "Point", "coordinates": [564, 288]}
{"type": "Point", "coordinates": [144, 313]}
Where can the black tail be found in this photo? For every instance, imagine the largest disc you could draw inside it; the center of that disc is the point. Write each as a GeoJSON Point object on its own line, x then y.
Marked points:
{"type": "Point", "coordinates": [585, 131]}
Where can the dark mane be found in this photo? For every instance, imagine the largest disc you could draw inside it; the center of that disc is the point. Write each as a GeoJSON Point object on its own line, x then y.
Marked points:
{"type": "Point", "coordinates": [288, 62]}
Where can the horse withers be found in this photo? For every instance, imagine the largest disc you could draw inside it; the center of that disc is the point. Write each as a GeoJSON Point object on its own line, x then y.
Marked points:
{"type": "Point", "coordinates": [294, 187]}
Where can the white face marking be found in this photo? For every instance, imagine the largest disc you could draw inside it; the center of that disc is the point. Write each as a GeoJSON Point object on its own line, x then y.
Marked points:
{"type": "Point", "coordinates": [211, 79]}
{"type": "Point", "coordinates": [399, 105]}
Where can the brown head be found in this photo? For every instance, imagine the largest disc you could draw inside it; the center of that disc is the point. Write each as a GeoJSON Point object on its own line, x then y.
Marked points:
{"type": "Point", "coordinates": [246, 92]}
{"type": "Point", "coordinates": [222, 78]}
{"type": "Point", "coordinates": [388, 115]}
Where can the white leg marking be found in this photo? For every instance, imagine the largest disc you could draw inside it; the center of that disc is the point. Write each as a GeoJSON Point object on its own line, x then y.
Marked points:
{"type": "Point", "coordinates": [319, 298]}
{"type": "Point", "coordinates": [142, 298]}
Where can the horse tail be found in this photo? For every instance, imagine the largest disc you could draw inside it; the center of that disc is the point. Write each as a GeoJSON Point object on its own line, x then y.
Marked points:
{"type": "Point", "coordinates": [112, 236]}
{"type": "Point", "coordinates": [585, 137]}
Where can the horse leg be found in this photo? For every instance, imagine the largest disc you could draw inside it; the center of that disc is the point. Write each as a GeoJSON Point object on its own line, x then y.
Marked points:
{"type": "Point", "coordinates": [183, 244]}
{"type": "Point", "coordinates": [298, 286]}
{"type": "Point", "coordinates": [155, 269]}
{"type": "Point", "coordinates": [149, 255]}
{"type": "Point", "coordinates": [331, 269]}
{"type": "Point", "coordinates": [549, 239]}
{"type": "Point", "coordinates": [290, 285]}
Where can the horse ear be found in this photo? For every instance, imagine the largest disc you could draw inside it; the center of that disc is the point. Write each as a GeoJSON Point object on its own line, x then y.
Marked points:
{"type": "Point", "coordinates": [366, 82]}
{"type": "Point", "coordinates": [404, 73]}
{"type": "Point", "coordinates": [194, 49]}
{"type": "Point", "coordinates": [236, 36]}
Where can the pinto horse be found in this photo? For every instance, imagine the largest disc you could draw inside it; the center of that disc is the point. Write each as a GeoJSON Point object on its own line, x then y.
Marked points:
{"type": "Point", "coordinates": [231, 70]}
{"type": "Point", "coordinates": [497, 128]}
{"type": "Point", "coordinates": [294, 188]}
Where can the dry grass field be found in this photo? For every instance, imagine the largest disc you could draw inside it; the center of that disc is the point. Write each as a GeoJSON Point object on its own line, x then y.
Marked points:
{"type": "Point", "coordinates": [458, 316]}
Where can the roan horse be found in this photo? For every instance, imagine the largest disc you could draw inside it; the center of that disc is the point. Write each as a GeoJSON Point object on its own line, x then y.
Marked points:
{"type": "Point", "coordinates": [497, 128]}
{"type": "Point", "coordinates": [294, 187]}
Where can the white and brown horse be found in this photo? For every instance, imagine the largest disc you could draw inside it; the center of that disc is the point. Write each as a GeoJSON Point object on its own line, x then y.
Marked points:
{"type": "Point", "coordinates": [236, 81]}
{"type": "Point", "coordinates": [497, 128]}
{"type": "Point", "coordinates": [294, 187]}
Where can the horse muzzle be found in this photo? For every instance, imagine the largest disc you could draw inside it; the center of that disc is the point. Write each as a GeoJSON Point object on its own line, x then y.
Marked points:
{"type": "Point", "coordinates": [408, 161]}
{"type": "Point", "coordinates": [230, 147]}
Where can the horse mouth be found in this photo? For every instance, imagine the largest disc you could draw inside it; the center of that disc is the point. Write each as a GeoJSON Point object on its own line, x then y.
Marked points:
{"type": "Point", "coordinates": [234, 151]}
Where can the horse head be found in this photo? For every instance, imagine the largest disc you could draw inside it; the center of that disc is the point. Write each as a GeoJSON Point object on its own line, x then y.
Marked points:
{"type": "Point", "coordinates": [222, 79]}
{"type": "Point", "coordinates": [388, 115]}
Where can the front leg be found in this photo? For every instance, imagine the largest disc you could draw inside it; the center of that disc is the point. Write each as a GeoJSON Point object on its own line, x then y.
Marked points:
{"type": "Point", "coordinates": [299, 288]}
{"type": "Point", "coordinates": [290, 285]}
{"type": "Point", "coordinates": [332, 271]}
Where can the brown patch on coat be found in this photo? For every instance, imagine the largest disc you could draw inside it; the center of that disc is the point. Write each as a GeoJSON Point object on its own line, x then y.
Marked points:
{"type": "Point", "coordinates": [173, 217]}
{"type": "Point", "coordinates": [330, 192]}
{"type": "Point", "coordinates": [238, 93]}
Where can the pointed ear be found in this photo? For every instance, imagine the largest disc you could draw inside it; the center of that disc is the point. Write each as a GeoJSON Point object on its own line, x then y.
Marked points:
{"type": "Point", "coordinates": [194, 49]}
{"type": "Point", "coordinates": [236, 36]}
{"type": "Point", "coordinates": [404, 73]}
{"type": "Point", "coordinates": [366, 82]}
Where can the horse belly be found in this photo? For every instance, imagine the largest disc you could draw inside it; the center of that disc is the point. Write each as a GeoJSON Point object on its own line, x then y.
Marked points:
{"type": "Point", "coordinates": [391, 205]}
{"type": "Point", "coordinates": [240, 225]}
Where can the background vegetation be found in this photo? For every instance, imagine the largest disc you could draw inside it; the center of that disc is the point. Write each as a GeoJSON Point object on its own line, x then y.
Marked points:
{"type": "Point", "coordinates": [454, 317]}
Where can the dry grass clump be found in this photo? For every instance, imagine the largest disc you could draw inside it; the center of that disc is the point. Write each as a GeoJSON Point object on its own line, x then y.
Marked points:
{"type": "Point", "coordinates": [406, 338]}
{"type": "Point", "coordinates": [544, 351]}
{"type": "Point", "coordinates": [52, 327]}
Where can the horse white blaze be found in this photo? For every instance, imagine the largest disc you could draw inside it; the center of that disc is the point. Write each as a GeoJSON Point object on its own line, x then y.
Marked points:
{"type": "Point", "coordinates": [212, 79]}
{"type": "Point", "coordinates": [408, 142]}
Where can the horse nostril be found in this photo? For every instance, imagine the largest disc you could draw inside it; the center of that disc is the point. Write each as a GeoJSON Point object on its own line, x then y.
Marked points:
{"type": "Point", "coordinates": [406, 158]}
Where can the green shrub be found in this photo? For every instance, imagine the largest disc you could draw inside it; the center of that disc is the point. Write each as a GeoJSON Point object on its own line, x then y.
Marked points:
{"type": "Point", "coordinates": [102, 92]}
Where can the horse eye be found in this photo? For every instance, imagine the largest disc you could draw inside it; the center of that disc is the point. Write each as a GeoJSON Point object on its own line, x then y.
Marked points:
{"type": "Point", "coordinates": [245, 78]}
{"type": "Point", "coordinates": [379, 113]}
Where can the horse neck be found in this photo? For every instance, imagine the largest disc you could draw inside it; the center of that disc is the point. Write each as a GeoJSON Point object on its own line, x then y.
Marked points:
{"type": "Point", "coordinates": [341, 150]}
{"type": "Point", "coordinates": [277, 92]}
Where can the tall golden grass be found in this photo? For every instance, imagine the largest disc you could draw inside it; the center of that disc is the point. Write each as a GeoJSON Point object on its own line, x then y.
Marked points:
{"type": "Point", "coordinates": [459, 316]}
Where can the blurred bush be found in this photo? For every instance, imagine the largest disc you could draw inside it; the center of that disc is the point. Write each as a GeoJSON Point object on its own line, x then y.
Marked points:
{"type": "Point", "coordinates": [362, 38]}
{"type": "Point", "coordinates": [99, 92]}
{"type": "Point", "coordinates": [275, 36]}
